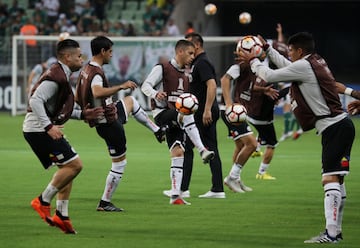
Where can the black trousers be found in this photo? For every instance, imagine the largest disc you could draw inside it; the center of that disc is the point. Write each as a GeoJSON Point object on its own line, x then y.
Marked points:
{"type": "Point", "coordinates": [208, 136]}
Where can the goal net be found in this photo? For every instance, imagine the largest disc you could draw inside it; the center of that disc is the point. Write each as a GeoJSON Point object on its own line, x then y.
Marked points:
{"type": "Point", "coordinates": [133, 58]}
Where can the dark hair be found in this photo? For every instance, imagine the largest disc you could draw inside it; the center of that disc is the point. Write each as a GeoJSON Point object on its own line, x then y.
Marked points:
{"type": "Point", "coordinates": [66, 44]}
{"type": "Point", "coordinates": [100, 42]}
{"type": "Point", "coordinates": [181, 44]}
{"type": "Point", "coordinates": [303, 40]}
{"type": "Point", "coordinates": [195, 38]}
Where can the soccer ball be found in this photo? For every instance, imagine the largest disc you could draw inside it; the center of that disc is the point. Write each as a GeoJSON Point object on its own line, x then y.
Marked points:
{"type": "Point", "coordinates": [250, 42]}
{"type": "Point", "coordinates": [64, 36]}
{"type": "Point", "coordinates": [186, 103]}
{"type": "Point", "coordinates": [245, 18]}
{"type": "Point", "coordinates": [210, 9]}
{"type": "Point", "coordinates": [235, 114]}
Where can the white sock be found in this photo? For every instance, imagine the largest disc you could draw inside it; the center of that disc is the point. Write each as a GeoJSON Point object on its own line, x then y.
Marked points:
{"type": "Point", "coordinates": [49, 193]}
{"type": "Point", "coordinates": [113, 179]}
{"type": "Point", "coordinates": [341, 209]}
{"type": "Point", "coordinates": [332, 202]}
{"type": "Point", "coordinates": [235, 171]}
{"type": "Point", "coordinates": [176, 175]}
{"type": "Point", "coordinates": [141, 116]}
{"type": "Point", "coordinates": [193, 132]}
{"type": "Point", "coordinates": [63, 207]}
{"type": "Point", "coordinates": [263, 167]}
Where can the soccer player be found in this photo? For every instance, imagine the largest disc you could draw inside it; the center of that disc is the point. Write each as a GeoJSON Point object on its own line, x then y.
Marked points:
{"type": "Point", "coordinates": [164, 84]}
{"type": "Point", "coordinates": [50, 106]}
{"type": "Point", "coordinates": [203, 86]}
{"type": "Point", "coordinates": [253, 97]}
{"type": "Point", "coordinates": [316, 104]}
{"type": "Point", "coordinates": [93, 89]}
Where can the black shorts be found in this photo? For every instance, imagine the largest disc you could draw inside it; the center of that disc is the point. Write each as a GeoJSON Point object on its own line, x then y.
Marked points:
{"type": "Point", "coordinates": [236, 131]}
{"type": "Point", "coordinates": [49, 151]}
{"type": "Point", "coordinates": [114, 134]}
{"type": "Point", "coordinates": [266, 135]}
{"type": "Point", "coordinates": [336, 144]}
{"type": "Point", "coordinates": [174, 133]}
{"type": "Point", "coordinates": [122, 114]}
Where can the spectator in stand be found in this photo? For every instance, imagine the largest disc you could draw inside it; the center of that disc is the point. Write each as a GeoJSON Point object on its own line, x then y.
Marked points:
{"type": "Point", "coordinates": [52, 10]}
{"type": "Point", "coordinates": [73, 16]}
{"type": "Point", "coordinates": [189, 28]}
{"type": "Point", "coordinates": [99, 7]}
{"type": "Point", "coordinates": [147, 18]}
{"type": "Point", "coordinates": [171, 28]}
{"type": "Point", "coordinates": [80, 5]}
{"type": "Point", "coordinates": [15, 24]}
{"type": "Point", "coordinates": [130, 31]}
{"type": "Point", "coordinates": [4, 22]}
{"type": "Point", "coordinates": [117, 29]}
{"type": "Point", "coordinates": [154, 28]}
{"type": "Point", "coordinates": [29, 29]}
{"type": "Point", "coordinates": [14, 9]}
{"type": "Point", "coordinates": [87, 18]}
{"type": "Point", "coordinates": [166, 10]}
{"type": "Point", "coordinates": [3, 8]}
{"type": "Point", "coordinates": [62, 20]}
{"type": "Point", "coordinates": [40, 12]}
{"type": "Point", "coordinates": [69, 27]}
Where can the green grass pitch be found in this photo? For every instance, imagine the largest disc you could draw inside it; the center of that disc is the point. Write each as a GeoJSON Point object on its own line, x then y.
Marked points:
{"type": "Point", "coordinates": [280, 213]}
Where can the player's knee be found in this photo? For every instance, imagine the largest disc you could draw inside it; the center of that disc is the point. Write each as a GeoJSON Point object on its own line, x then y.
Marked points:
{"type": "Point", "coordinates": [252, 145]}
{"type": "Point", "coordinates": [177, 151]}
{"type": "Point", "coordinates": [78, 167]}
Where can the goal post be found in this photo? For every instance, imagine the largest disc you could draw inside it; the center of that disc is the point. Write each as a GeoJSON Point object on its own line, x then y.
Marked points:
{"type": "Point", "coordinates": [137, 55]}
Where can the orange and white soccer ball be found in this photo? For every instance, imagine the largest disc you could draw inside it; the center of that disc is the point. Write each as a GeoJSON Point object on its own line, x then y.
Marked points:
{"type": "Point", "coordinates": [186, 103]}
{"type": "Point", "coordinates": [245, 18]}
{"type": "Point", "coordinates": [249, 43]}
{"type": "Point", "coordinates": [210, 9]}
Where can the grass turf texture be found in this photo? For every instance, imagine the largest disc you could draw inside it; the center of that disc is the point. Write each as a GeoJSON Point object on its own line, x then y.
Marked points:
{"type": "Point", "coordinates": [280, 213]}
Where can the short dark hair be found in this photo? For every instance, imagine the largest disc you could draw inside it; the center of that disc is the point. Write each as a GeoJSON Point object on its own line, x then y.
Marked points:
{"type": "Point", "coordinates": [303, 40]}
{"type": "Point", "coordinates": [100, 42]}
{"type": "Point", "coordinates": [181, 44]}
{"type": "Point", "coordinates": [195, 37]}
{"type": "Point", "coordinates": [66, 44]}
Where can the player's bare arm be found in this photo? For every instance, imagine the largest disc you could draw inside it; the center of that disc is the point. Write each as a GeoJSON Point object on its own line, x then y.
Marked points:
{"type": "Point", "coordinates": [101, 92]}
{"type": "Point", "coordinates": [342, 89]}
{"type": "Point", "coordinates": [210, 98]}
{"type": "Point", "coordinates": [226, 88]}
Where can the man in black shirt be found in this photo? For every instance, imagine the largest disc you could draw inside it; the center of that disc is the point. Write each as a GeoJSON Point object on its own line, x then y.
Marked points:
{"type": "Point", "coordinates": [203, 86]}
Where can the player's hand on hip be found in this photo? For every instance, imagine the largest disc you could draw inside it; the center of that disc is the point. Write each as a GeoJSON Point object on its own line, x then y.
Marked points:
{"type": "Point", "coordinates": [55, 132]}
